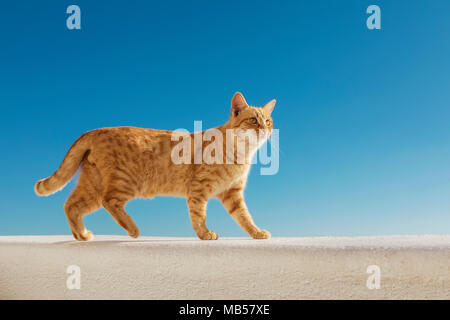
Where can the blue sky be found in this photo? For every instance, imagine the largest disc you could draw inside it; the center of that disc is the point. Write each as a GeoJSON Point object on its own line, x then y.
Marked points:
{"type": "Point", "coordinates": [363, 114]}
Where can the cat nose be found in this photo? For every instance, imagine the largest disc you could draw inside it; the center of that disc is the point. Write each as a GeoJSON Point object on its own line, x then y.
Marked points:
{"type": "Point", "coordinates": [263, 132]}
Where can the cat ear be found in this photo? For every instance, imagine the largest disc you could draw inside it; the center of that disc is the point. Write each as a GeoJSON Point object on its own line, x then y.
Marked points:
{"type": "Point", "coordinates": [238, 104]}
{"type": "Point", "coordinates": [269, 106]}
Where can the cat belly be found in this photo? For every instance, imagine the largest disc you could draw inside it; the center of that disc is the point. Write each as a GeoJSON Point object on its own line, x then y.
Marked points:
{"type": "Point", "coordinates": [165, 182]}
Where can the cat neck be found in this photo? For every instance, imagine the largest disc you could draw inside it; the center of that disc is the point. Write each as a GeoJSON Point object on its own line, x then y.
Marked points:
{"type": "Point", "coordinates": [242, 155]}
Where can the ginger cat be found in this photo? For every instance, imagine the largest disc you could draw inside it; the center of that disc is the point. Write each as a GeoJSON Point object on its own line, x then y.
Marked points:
{"type": "Point", "coordinates": [122, 163]}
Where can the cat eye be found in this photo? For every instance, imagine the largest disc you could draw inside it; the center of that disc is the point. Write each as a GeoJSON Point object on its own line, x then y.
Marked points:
{"type": "Point", "coordinates": [253, 120]}
{"type": "Point", "coordinates": [268, 122]}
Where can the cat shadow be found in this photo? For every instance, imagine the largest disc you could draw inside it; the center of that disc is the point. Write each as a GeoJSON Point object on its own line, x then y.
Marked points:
{"type": "Point", "coordinates": [108, 242]}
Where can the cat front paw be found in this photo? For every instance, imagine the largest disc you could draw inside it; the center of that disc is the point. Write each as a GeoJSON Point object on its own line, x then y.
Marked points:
{"type": "Point", "coordinates": [262, 234]}
{"type": "Point", "coordinates": [210, 235]}
{"type": "Point", "coordinates": [86, 235]}
{"type": "Point", "coordinates": [134, 233]}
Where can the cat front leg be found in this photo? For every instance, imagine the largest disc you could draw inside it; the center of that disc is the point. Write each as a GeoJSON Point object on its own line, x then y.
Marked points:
{"type": "Point", "coordinates": [233, 201]}
{"type": "Point", "coordinates": [197, 213]}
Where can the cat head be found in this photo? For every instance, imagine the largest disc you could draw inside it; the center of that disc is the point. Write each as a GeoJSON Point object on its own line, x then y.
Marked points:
{"type": "Point", "coordinates": [245, 117]}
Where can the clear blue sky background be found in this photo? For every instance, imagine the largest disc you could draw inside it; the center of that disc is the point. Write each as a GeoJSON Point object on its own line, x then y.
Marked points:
{"type": "Point", "coordinates": [363, 115]}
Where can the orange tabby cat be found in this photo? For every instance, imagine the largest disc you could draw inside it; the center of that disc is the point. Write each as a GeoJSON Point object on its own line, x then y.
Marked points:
{"type": "Point", "coordinates": [122, 163]}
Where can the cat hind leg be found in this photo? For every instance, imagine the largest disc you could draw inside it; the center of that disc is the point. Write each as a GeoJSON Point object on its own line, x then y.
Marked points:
{"type": "Point", "coordinates": [85, 198]}
{"type": "Point", "coordinates": [114, 202]}
{"type": "Point", "coordinates": [79, 204]}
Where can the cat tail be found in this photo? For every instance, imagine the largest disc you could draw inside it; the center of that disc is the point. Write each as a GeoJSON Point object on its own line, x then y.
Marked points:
{"type": "Point", "coordinates": [66, 170]}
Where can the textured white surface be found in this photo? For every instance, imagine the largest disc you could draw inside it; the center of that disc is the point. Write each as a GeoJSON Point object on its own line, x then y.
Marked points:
{"type": "Point", "coordinates": [115, 267]}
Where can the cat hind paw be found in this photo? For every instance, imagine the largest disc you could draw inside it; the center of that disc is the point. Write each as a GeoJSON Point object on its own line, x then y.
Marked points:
{"type": "Point", "coordinates": [210, 235]}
